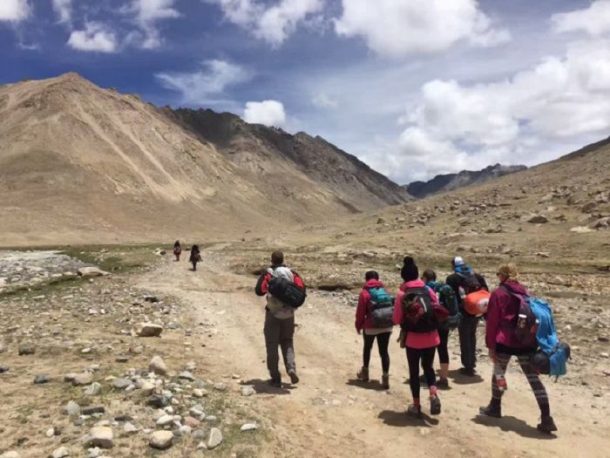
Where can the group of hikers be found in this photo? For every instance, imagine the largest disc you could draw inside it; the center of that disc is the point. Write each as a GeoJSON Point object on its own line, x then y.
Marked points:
{"type": "Point", "coordinates": [426, 311]}
{"type": "Point", "coordinates": [194, 258]}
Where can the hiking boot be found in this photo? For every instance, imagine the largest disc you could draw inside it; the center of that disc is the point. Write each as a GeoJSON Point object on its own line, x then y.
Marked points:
{"type": "Point", "coordinates": [294, 378]}
{"type": "Point", "coordinates": [363, 374]}
{"type": "Point", "coordinates": [275, 382]}
{"type": "Point", "coordinates": [385, 381]}
{"type": "Point", "coordinates": [547, 425]}
{"type": "Point", "coordinates": [414, 411]}
{"type": "Point", "coordinates": [435, 405]}
{"type": "Point", "coordinates": [468, 371]}
{"type": "Point", "coordinates": [492, 410]}
{"type": "Point", "coordinates": [442, 383]}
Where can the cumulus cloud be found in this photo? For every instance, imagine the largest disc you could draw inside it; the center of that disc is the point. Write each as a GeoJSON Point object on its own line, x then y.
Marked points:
{"type": "Point", "coordinates": [63, 9]}
{"type": "Point", "coordinates": [148, 13]}
{"type": "Point", "coordinates": [455, 126]}
{"type": "Point", "coordinates": [14, 10]}
{"type": "Point", "coordinates": [594, 20]}
{"type": "Point", "coordinates": [273, 24]}
{"type": "Point", "coordinates": [210, 80]}
{"type": "Point", "coordinates": [398, 28]}
{"type": "Point", "coordinates": [95, 37]}
{"type": "Point", "coordinates": [267, 112]}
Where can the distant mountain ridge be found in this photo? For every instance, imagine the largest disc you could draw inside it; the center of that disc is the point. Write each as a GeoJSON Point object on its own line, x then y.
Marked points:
{"type": "Point", "coordinates": [452, 181]}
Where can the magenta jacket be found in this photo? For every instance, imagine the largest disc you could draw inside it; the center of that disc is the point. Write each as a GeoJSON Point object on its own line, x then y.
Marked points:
{"type": "Point", "coordinates": [363, 319]}
{"type": "Point", "coordinates": [501, 316]}
{"type": "Point", "coordinates": [419, 340]}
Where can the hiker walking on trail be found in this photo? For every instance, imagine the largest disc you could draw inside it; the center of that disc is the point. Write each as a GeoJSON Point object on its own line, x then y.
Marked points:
{"type": "Point", "coordinates": [447, 299]}
{"type": "Point", "coordinates": [504, 341]}
{"type": "Point", "coordinates": [195, 256]}
{"type": "Point", "coordinates": [374, 317]}
{"type": "Point", "coordinates": [465, 282]}
{"type": "Point", "coordinates": [288, 293]}
{"type": "Point", "coordinates": [417, 311]}
{"type": "Point", "coordinates": [177, 250]}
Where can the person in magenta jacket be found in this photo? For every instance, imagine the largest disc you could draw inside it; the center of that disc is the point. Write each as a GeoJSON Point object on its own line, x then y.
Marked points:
{"type": "Point", "coordinates": [502, 342]}
{"type": "Point", "coordinates": [364, 322]}
{"type": "Point", "coordinates": [420, 346]}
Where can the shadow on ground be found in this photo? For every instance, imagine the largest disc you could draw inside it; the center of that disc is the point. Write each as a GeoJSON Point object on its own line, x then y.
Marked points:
{"type": "Point", "coordinates": [263, 387]}
{"type": "Point", "coordinates": [400, 418]}
{"type": "Point", "coordinates": [508, 423]}
{"type": "Point", "coordinates": [370, 385]}
{"type": "Point", "coordinates": [461, 379]}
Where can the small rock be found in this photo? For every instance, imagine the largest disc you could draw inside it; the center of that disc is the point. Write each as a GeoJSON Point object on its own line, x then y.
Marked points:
{"type": "Point", "coordinates": [157, 365]}
{"type": "Point", "coordinates": [538, 219]}
{"type": "Point", "coordinates": [192, 422]}
{"type": "Point", "coordinates": [84, 378]}
{"type": "Point", "coordinates": [3, 369]}
{"type": "Point", "coordinates": [249, 427]}
{"type": "Point", "coordinates": [199, 392]}
{"type": "Point", "coordinates": [60, 452]}
{"type": "Point", "coordinates": [130, 428]}
{"type": "Point", "coordinates": [91, 410]}
{"type": "Point", "coordinates": [121, 383]}
{"type": "Point", "coordinates": [26, 349]}
{"type": "Point", "coordinates": [11, 454]}
{"type": "Point", "coordinates": [93, 390]}
{"type": "Point", "coordinates": [150, 330]}
{"type": "Point", "coordinates": [165, 420]}
{"type": "Point", "coordinates": [72, 409]}
{"type": "Point", "coordinates": [215, 438]}
{"type": "Point", "coordinates": [161, 440]}
{"type": "Point", "coordinates": [186, 375]}
{"type": "Point", "coordinates": [603, 339]}
{"type": "Point", "coordinates": [90, 272]}
{"type": "Point", "coordinates": [220, 387]}
{"type": "Point", "coordinates": [40, 379]}
{"type": "Point", "coordinates": [158, 401]}
{"type": "Point", "coordinates": [247, 390]}
{"type": "Point", "coordinates": [100, 436]}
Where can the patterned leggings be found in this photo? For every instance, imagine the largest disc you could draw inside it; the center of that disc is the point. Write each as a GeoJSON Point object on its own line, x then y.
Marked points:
{"type": "Point", "coordinates": [501, 364]}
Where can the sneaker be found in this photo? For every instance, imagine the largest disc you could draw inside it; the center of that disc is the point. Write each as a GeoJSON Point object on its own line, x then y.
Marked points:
{"type": "Point", "coordinates": [385, 381]}
{"type": "Point", "coordinates": [294, 378]}
{"type": "Point", "coordinates": [363, 374]}
{"type": "Point", "coordinates": [442, 383]}
{"type": "Point", "coordinates": [491, 411]}
{"type": "Point", "coordinates": [547, 425]}
{"type": "Point", "coordinates": [414, 411]}
{"type": "Point", "coordinates": [469, 371]}
{"type": "Point", "coordinates": [275, 382]}
{"type": "Point", "coordinates": [435, 405]}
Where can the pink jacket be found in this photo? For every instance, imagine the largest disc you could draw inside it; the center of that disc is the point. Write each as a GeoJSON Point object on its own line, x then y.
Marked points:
{"type": "Point", "coordinates": [501, 315]}
{"type": "Point", "coordinates": [418, 340]}
{"type": "Point", "coordinates": [363, 319]}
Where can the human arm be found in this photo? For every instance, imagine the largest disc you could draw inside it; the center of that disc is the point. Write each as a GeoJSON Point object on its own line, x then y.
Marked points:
{"type": "Point", "coordinates": [482, 281]}
{"type": "Point", "coordinates": [398, 315]}
{"type": "Point", "coordinates": [363, 301]}
{"type": "Point", "coordinates": [493, 320]}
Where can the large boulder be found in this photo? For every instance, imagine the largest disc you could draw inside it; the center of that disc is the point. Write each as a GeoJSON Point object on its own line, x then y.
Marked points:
{"type": "Point", "coordinates": [100, 436]}
{"type": "Point", "coordinates": [537, 219]}
{"type": "Point", "coordinates": [88, 272]}
{"type": "Point", "coordinates": [150, 330]}
{"type": "Point", "coordinates": [157, 365]}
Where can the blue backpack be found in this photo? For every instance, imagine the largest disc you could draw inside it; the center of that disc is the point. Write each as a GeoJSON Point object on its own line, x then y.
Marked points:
{"type": "Point", "coordinates": [381, 308]}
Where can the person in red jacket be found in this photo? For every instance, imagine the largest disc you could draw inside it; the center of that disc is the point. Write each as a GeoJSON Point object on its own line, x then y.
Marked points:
{"type": "Point", "coordinates": [420, 341]}
{"type": "Point", "coordinates": [502, 342]}
{"type": "Point", "coordinates": [364, 322]}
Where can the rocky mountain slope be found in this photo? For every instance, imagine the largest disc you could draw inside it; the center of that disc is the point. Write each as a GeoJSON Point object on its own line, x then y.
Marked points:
{"type": "Point", "coordinates": [83, 164]}
{"type": "Point", "coordinates": [449, 182]}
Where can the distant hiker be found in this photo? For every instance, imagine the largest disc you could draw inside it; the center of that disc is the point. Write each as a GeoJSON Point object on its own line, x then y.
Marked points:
{"type": "Point", "coordinates": [195, 256]}
{"type": "Point", "coordinates": [506, 319]}
{"type": "Point", "coordinates": [447, 299]}
{"type": "Point", "coordinates": [374, 315]}
{"type": "Point", "coordinates": [285, 291]}
{"type": "Point", "coordinates": [417, 311]}
{"type": "Point", "coordinates": [177, 250]}
{"type": "Point", "coordinates": [472, 294]}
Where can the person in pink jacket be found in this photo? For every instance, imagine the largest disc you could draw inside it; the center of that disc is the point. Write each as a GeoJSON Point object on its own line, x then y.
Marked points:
{"type": "Point", "coordinates": [421, 338]}
{"type": "Point", "coordinates": [501, 339]}
{"type": "Point", "coordinates": [372, 331]}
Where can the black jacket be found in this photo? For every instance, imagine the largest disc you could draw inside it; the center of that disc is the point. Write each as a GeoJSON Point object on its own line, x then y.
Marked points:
{"type": "Point", "coordinates": [456, 281]}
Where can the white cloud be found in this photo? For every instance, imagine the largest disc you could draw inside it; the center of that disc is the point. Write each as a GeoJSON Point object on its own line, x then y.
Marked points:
{"type": "Point", "coordinates": [594, 20]}
{"type": "Point", "coordinates": [148, 13]}
{"type": "Point", "coordinates": [95, 37]}
{"type": "Point", "coordinates": [267, 112]}
{"type": "Point", "coordinates": [63, 9]}
{"type": "Point", "coordinates": [14, 10]}
{"type": "Point", "coordinates": [197, 87]}
{"type": "Point", "coordinates": [520, 119]}
{"type": "Point", "coordinates": [323, 100]}
{"type": "Point", "coordinates": [398, 28]}
{"type": "Point", "coordinates": [273, 24]}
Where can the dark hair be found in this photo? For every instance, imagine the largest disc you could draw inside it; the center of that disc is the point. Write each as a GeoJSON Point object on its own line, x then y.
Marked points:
{"type": "Point", "coordinates": [177, 243]}
{"type": "Point", "coordinates": [371, 275]}
{"type": "Point", "coordinates": [277, 258]}
{"type": "Point", "coordinates": [195, 248]}
{"type": "Point", "coordinates": [429, 275]}
{"type": "Point", "coordinates": [409, 269]}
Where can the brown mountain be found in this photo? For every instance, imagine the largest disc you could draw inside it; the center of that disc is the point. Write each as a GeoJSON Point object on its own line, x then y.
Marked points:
{"type": "Point", "coordinates": [79, 163]}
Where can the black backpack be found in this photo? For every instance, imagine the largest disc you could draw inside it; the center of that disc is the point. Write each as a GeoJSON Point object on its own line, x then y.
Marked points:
{"type": "Point", "coordinates": [287, 292]}
{"type": "Point", "coordinates": [470, 283]}
{"type": "Point", "coordinates": [381, 308]}
{"type": "Point", "coordinates": [418, 311]}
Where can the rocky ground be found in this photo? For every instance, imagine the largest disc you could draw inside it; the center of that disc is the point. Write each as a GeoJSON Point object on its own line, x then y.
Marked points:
{"type": "Point", "coordinates": [84, 374]}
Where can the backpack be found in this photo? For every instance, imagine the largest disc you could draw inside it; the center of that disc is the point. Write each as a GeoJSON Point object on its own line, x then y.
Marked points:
{"type": "Point", "coordinates": [474, 297]}
{"type": "Point", "coordinates": [525, 322]}
{"type": "Point", "coordinates": [447, 298]}
{"type": "Point", "coordinates": [381, 308]}
{"type": "Point", "coordinates": [420, 313]}
{"type": "Point", "coordinates": [287, 292]}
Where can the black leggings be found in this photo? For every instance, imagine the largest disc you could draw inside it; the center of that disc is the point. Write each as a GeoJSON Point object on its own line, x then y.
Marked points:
{"type": "Point", "coordinates": [443, 351]}
{"type": "Point", "coordinates": [383, 340]}
{"type": "Point", "coordinates": [426, 356]}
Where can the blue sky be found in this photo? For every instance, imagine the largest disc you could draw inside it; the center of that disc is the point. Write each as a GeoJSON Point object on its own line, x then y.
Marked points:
{"type": "Point", "coordinates": [412, 87]}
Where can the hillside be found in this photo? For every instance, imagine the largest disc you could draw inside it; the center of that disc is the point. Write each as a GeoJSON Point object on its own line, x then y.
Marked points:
{"type": "Point", "coordinates": [79, 163]}
{"type": "Point", "coordinates": [452, 181]}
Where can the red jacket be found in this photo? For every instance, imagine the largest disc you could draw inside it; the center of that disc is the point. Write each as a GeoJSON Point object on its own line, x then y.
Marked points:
{"type": "Point", "coordinates": [501, 315]}
{"type": "Point", "coordinates": [363, 319]}
{"type": "Point", "coordinates": [262, 285]}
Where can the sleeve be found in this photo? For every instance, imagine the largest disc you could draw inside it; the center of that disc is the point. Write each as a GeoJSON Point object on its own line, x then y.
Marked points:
{"type": "Point", "coordinates": [363, 300]}
{"type": "Point", "coordinates": [398, 311]}
{"type": "Point", "coordinates": [454, 282]}
{"type": "Point", "coordinates": [262, 285]}
{"type": "Point", "coordinates": [298, 281]}
{"type": "Point", "coordinates": [493, 320]}
{"type": "Point", "coordinates": [482, 282]}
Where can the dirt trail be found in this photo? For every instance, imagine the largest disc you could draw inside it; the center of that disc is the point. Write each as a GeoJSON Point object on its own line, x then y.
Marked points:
{"type": "Point", "coordinates": [329, 415]}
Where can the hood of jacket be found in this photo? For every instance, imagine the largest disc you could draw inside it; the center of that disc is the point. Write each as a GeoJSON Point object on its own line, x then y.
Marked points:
{"type": "Point", "coordinates": [372, 283]}
{"type": "Point", "coordinates": [515, 287]}
{"type": "Point", "coordinates": [412, 284]}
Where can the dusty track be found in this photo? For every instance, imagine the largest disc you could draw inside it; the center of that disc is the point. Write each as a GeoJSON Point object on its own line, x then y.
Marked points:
{"type": "Point", "coordinates": [328, 415]}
